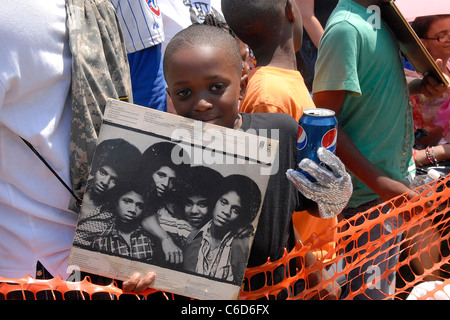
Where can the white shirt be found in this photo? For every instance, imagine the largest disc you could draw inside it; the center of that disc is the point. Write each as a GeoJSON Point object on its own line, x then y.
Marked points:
{"type": "Point", "coordinates": [35, 76]}
{"type": "Point", "coordinates": [141, 23]}
{"type": "Point", "coordinates": [180, 14]}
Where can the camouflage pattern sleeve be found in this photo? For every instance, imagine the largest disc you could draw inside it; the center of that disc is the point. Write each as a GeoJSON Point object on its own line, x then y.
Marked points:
{"type": "Point", "coordinates": [100, 71]}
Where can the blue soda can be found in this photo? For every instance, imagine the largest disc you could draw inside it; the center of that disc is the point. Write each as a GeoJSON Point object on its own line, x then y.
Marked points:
{"type": "Point", "coordinates": [316, 128]}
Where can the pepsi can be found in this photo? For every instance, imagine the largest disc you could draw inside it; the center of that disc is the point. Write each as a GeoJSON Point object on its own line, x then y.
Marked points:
{"type": "Point", "coordinates": [316, 128]}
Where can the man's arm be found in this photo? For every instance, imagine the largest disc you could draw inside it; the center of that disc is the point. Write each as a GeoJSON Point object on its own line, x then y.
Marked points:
{"type": "Point", "coordinates": [310, 22]}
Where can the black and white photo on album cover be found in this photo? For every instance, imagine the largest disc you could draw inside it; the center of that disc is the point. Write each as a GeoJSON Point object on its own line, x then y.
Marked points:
{"type": "Point", "coordinates": [170, 202]}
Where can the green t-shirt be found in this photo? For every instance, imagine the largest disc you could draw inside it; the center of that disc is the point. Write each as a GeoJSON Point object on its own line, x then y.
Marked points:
{"type": "Point", "coordinates": [360, 54]}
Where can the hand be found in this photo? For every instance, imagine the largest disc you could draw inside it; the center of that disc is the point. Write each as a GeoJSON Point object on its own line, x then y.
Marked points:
{"type": "Point", "coordinates": [430, 87]}
{"type": "Point", "coordinates": [333, 189]}
{"type": "Point", "coordinates": [172, 253]}
{"type": "Point", "coordinates": [137, 285]}
{"type": "Point", "coordinates": [332, 291]}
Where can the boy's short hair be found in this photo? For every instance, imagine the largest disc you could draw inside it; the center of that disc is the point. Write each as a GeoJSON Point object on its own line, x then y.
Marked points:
{"type": "Point", "coordinates": [204, 35]}
{"type": "Point", "coordinates": [254, 22]}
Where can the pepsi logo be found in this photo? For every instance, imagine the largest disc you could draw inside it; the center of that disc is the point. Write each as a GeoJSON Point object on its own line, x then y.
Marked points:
{"type": "Point", "coordinates": [302, 138]}
{"type": "Point", "coordinates": [329, 140]}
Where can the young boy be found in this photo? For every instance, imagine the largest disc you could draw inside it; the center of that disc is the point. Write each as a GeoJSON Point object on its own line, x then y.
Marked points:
{"type": "Point", "coordinates": [126, 237]}
{"type": "Point", "coordinates": [273, 30]}
{"type": "Point", "coordinates": [199, 194]}
{"type": "Point", "coordinates": [202, 67]}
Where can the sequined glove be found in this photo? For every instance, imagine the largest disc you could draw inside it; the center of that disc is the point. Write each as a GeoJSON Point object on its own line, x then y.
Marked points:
{"type": "Point", "coordinates": [332, 190]}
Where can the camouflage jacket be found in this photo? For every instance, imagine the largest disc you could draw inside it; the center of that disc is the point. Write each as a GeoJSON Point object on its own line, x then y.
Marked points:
{"type": "Point", "coordinates": [100, 71]}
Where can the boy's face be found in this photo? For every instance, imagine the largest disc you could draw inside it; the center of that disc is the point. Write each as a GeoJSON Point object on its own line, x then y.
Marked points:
{"type": "Point", "coordinates": [130, 207]}
{"type": "Point", "coordinates": [196, 210]}
{"type": "Point", "coordinates": [105, 179]}
{"type": "Point", "coordinates": [163, 179]}
{"type": "Point", "coordinates": [204, 85]}
{"type": "Point", "coordinates": [227, 210]}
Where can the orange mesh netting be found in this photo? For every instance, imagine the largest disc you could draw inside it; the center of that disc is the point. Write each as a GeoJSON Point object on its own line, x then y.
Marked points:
{"type": "Point", "coordinates": [397, 250]}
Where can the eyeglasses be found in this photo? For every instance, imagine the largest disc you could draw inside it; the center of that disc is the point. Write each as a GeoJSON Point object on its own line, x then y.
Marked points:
{"type": "Point", "coordinates": [444, 38]}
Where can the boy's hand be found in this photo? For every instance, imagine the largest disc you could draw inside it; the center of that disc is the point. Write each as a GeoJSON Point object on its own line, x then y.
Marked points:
{"type": "Point", "coordinates": [137, 285]}
{"type": "Point", "coordinates": [172, 253]}
{"type": "Point", "coordinates": [332, 190]}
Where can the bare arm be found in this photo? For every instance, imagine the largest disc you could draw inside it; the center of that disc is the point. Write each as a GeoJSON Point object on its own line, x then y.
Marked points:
{"type": "Point", "coordinates": [310, 22]}
{"type": "Point", "coordinates": [441, 153]}
{"type": "Point", "coordinates": [172, 253]}
{"type": "Point", "coordinates": [333, 290]}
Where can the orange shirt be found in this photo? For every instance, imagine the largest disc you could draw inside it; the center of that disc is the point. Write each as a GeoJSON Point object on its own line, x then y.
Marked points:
{"type": "Point", "coordinates": [276, 90]}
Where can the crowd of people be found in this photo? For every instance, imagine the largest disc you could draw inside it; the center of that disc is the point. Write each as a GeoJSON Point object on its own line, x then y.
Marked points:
{"type": "Point", "coordinates": [232, 63]}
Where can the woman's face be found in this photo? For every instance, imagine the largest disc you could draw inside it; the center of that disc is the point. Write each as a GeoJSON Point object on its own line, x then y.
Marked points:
{"type": "Point", "coordinates": [130, 207]}
{"type": "Point", "coordinates": [436, 48]}
{"type": "Point", "coordinates": [227, 209]}
{"type": "Point", "coordinates": [163, 178]}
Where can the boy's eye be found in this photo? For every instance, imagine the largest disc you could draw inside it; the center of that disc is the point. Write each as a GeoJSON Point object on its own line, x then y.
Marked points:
{"type": "Point", "coordinates": [140, 205]}
{"type": "Point", "coordinates": [183, 93]}
{"type": "Point", "coordinates": [236, 210]}
{"type": "Point", "coordinates": [223, 202]}
{"type": "Point", "coordinates": [161, 174]}
{"type": "Point", "coordinates": [218, 87]}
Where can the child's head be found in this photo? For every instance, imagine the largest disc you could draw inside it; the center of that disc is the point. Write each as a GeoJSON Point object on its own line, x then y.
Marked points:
{"type": "Point", "coordinates": [200, 194]}
{"type": "Point", "coordinates": [114, 160]}
{"type": "Point", "coordinates": [129, 202]}
{"type": "Point", "coordinates": [239, 202]}
{"type": "Point", "coordinates": [263, 22]}
{"type": "Point", "coordinates": [203, 67]}
{"type": "Point", "coordinates": [159, 169]}
{"type": "Point", "coordinates": [130, 207]}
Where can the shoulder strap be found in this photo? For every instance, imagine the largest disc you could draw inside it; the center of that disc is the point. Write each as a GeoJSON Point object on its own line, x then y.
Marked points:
{"type": "Point", "coordinates": [78, 201]}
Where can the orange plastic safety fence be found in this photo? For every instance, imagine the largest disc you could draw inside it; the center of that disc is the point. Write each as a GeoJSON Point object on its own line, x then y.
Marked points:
{"type": "Point", "coordinates": [397, 250]}
{"type": "Point", "coordinates": [28, 288]}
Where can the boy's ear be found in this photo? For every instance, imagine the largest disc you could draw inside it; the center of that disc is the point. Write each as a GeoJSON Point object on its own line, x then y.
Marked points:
{"type": "Point", "coordinates": [290, 11]}
{"type": "Point", "coordinates": [244, 81]}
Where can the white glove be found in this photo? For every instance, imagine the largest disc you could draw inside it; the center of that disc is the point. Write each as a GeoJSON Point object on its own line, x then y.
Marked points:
{"type": "Point", "coordinates": [333, 189]}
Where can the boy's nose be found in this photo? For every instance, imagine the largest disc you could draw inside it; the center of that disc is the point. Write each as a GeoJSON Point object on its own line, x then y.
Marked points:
{"type": "Point", "coordinates": [105, 181]}
{"type": "Point", "coordinates": [203, 105]}
{"type": "Point", "coordinates": [165, 182]}
{"type": "Point", "coordinates": [227, 211]}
